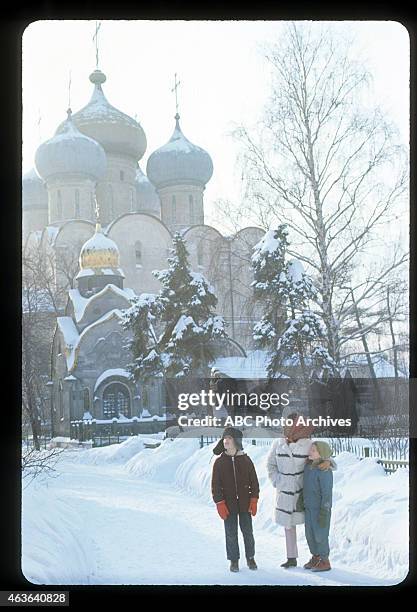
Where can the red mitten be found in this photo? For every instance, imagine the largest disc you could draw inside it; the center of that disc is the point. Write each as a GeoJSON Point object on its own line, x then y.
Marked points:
{"type": "Point", "coordinates": [253, 505]}
{"type": "Point", "coordinates": [222, 509]}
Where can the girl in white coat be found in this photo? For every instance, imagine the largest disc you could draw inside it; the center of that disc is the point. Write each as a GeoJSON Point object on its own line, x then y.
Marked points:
{"type": "Point", "coordinates": [285, 465]}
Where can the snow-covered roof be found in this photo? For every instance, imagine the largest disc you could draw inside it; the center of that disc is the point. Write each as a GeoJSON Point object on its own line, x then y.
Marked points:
{"type": "Point", "coordinates": [69, 331]}
{"type": "Point", "coordinates": [252, 366]}
{"type": "Point", "coordinates": [100, 271]}
{"type": "Point", "coordinates": [109, 374]}
{"type": "Point", "coordinates": [72, 357]}
{"type": "Point", "coordinates": [383, 368]}
{"type": "Point", "coordinates": [81, 303]}
{"type": "Point", "coordinates": [179, 161]}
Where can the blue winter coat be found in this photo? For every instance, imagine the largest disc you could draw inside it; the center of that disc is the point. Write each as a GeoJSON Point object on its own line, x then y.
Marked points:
{"type": "Point", "coordinates": [317, 487]}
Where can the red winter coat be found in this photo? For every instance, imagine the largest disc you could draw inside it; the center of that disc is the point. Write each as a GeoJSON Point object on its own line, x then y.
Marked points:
{"type": "Point", "coordinates": [234, 480]}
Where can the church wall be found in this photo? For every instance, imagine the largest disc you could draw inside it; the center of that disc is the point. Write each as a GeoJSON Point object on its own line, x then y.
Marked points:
{"type": "Point", "coordinates": [102, 347]}
{"type": "Point", "coordinates": [181, 206]}
{"type": "Point", "coordinates": [153, 242]}
{"type": "Point", "coordinates": [226, 264]}
{"type": "Point", "coordinates": [246, 309]}
{"type": "Point", "coordinates": [116, 192]}
{"type": "Point", "coordinates": [70, 198]}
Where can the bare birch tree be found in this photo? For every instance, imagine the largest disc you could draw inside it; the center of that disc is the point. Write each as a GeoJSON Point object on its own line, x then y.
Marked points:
{"type": "Point", "coordinates": [330, 168]}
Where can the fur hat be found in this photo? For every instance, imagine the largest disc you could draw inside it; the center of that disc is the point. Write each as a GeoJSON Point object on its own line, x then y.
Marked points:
{"type": "Point", "coordinates": [237, 436]}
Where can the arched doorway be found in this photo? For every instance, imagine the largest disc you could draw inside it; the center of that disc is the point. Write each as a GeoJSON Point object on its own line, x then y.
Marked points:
{"type": "Point", "coordinates": [116, 400]}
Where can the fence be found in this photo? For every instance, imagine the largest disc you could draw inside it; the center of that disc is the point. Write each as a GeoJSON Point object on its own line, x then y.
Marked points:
{"type": "Point", "coordinates": [103, 434]}
{"type": "Point", "coordinates": [390, 464]}
{"type": "Point", "coordinates": [27, 441]}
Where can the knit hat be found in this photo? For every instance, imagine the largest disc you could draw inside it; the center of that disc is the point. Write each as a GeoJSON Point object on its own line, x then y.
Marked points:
{"type": "Point", "coordinates": [237, 436]}
{"type": "Point", "coordinates": [324, 449]}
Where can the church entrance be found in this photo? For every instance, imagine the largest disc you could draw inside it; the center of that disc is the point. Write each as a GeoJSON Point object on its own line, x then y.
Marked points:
{"type": "Point", "coordinates": [116, 400]}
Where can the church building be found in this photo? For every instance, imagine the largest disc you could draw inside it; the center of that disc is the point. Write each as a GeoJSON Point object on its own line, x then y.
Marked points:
{"type": "Point", "coordinates": [93, 159]}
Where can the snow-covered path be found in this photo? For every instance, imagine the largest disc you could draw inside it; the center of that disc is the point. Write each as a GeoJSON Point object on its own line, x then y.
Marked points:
{"type": "Point", "coordinates": [145, 532]}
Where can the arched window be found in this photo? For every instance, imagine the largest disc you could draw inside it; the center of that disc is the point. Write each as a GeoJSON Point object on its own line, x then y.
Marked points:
{"type": "Point", "coordinates": [77, 204]}
{"type": "Point", "coordinates": [174, 209]}
{"type": "Point", "coordinates": [138, 252]}
{"type": "Point", "coordinates": [116, 401]}
{"type": "Point", "coordinates": [132, 202]}
{"type": "Point", "coordinates": [191, 207]}
{"type": "Point", "coordinates": [59, 205]}
{"type": "Point", "coordinates": [200, 253]}
{"type": "Point", "coordinates": [111, 203]}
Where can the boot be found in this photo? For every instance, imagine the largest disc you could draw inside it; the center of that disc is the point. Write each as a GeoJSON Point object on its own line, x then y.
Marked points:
{"type": "Point", "coordinates": [252, 564]}
{"type": "Point", "coordinates": [291, 562]}
{"type": "Point", "coordinates": [234, 566]}
{"type": "Point", "coordinates": [323, 565]}
{"type": "Point", "coordinates": [313, 561]}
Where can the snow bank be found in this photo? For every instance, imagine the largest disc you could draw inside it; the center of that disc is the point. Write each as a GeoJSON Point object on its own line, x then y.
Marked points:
{"type": "Point", "coordinates": [51, 532]}
{"type": "Point", "coordinates": [370, 523]}
{"type": "Point", "coordinates": [114, 453]}
{"type": "Point", "coordinates": [161, 463]}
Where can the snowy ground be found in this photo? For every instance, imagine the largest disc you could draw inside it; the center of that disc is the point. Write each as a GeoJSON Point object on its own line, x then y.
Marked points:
{"type": "Point", "coordinates": [129, 515]}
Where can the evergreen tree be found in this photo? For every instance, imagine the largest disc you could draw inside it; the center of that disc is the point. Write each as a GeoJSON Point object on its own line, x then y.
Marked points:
{"type": "Point", "coordinates": [285, 290]}
{"type": "Point", "coordinates": [172, 331]}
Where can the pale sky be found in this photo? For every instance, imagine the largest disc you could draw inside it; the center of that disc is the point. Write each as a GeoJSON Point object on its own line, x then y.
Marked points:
{"type": "Point", "coordinates": [224, 80]}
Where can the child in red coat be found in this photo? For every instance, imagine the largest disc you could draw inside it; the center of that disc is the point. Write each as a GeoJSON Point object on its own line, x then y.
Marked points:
{"type": "Point", "coordinates": [235, 490]}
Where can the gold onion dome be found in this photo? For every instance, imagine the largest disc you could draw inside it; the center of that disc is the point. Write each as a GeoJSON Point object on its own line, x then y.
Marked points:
{"type": "Point", "coordinates": [99, 252]}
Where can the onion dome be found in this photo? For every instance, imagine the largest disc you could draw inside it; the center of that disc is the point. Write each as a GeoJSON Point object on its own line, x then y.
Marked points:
{"type": "Point", "coordinates": [70, 152]}
{"type": "Point", "coordinates": [115, 131]}
{"type": "Point", "coordinates": [147, 197]}
{"type": "Point", "coordinates": [34, 193]}
{"type": "Point", "coordinates": [179, 161]}
{"type": "Point", "coordinates": [99, 252]}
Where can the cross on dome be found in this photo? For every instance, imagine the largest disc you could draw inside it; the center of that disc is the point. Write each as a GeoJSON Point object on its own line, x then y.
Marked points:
{"type": "Point", "coordinates": [95, 38]}
{"type": "Point", "coordinates": [175, 89]}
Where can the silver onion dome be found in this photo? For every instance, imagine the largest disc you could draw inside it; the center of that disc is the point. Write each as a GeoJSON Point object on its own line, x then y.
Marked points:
{"type": "Point", "coordinates": [179, 161]}
{"type": "Point", "coordinates": [70, 152]}
{"type": "Point", "coordinates": [114, 130]}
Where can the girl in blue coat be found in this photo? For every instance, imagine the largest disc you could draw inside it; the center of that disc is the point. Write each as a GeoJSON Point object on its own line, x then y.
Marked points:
{"type": "Point", "coordinates": [317, 500]}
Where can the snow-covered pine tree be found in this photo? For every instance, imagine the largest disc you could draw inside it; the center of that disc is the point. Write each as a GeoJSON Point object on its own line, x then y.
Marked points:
{"type": "Point", "coordinates": [292, 334]}
{"type": "Point", "coordinates": [140, 319]}
{"type": "Point", "coordinates": [173, 330]}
